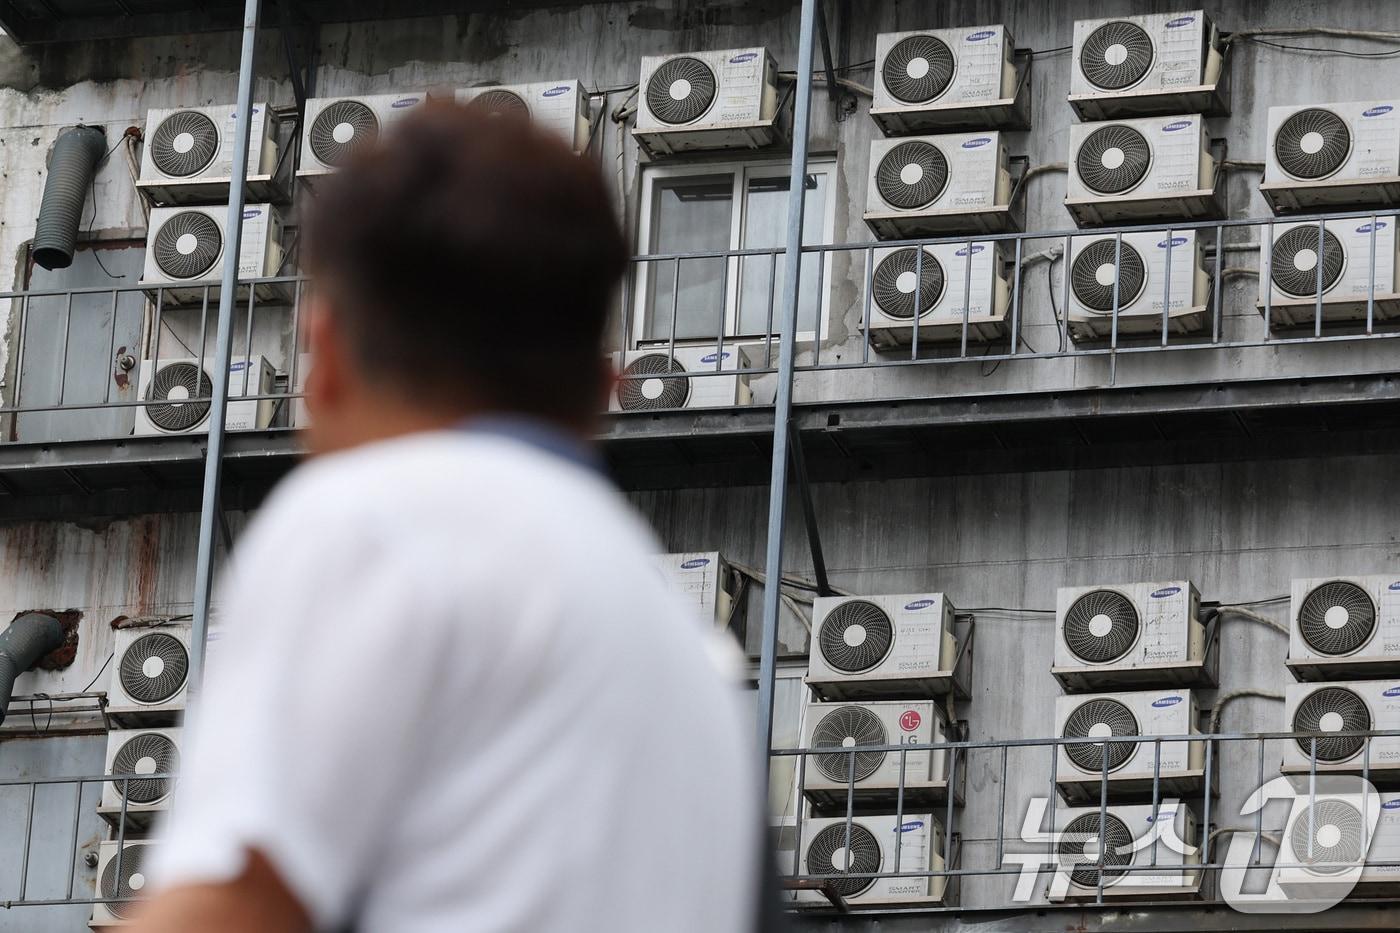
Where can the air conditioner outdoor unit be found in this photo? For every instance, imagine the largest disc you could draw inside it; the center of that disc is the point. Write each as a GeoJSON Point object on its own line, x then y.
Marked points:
{"type": "Point", "coordinates": [560, 106]}
{"type": "Point", "coordinates": [926, 185]}
{"type": "Point", "coordinates": [705, 581]}
{"type": "Point", "coordinates": [654, 378]}
{"type": "Point", "coordinates": [708, 100]}
{"type": "Point", "coordinates": [1345, 627]}
{"type": "Point", "coordinates": [185, 247]}
{"type": "Point", "coordinates": [1154, 168]}
{"type": "Point", "coordinates": [334, 128]}
{"type": "Point", "coordinates": [1339, 843]}
{"type": "Point", "coordinates": [1322, 155]}
{"type": "Point", "coordinates": [1157, 63]}
{"type": "Point", "coordinates": [881, 647]}
{"type": "Point", "coordinates": [935, 291]}
{"type": "Point", "coordinates": [869, 848]}
{"type": "Point", "coordinates": [1315, 711]}
{"type": "Point", "coordinates": [946, 79]}
{"type": "Point", "coordinates": [1088, 848]}
{"type": "Point", "coordinates": [150, 669]}
{"type": "Point", "coordinates": [842, 726]}
{"type": "Point", "coordinates": [189, 150]}
{"type": "Point", "coordinates": [130, 882]}
{"type": "Point", "coordinates": [300, 415]}
{"type": "Point", "coordinates": [1141, 289]}
{"type": "Point", "coordinates": [164, 388]}
{"type": "Point", "coordinates": [1343, 250]}
{"type": "Point", "coordinates": [1131, 767]}
{"type": "Point", "coordinates": [139, 752]}
{"type": "Point", "coordinates": [1128, 633]}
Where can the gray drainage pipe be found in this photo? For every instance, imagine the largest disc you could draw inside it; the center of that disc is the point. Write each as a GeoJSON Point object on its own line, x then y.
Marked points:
{"type": "Point", "coordinates": [22, 644]}
{"type": "Point", "coordinates": [71, 169]}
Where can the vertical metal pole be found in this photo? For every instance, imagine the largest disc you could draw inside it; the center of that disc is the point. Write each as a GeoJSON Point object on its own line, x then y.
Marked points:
{"type": "Point", "coordinates": [214, 459]}
{"type": "Point", "coordinates": [782, 405]}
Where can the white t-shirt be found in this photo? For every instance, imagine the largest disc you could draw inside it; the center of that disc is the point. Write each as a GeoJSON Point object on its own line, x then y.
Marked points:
{"type": "Point", "coordinates": [455, 696]}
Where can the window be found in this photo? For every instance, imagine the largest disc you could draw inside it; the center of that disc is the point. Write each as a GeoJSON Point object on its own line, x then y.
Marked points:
{"type": "Point", "coordinates": [711, 208]}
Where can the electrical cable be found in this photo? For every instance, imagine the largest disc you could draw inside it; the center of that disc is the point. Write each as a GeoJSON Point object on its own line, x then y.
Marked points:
{"type": "Point", "coordinates": [92, 192]}
{"type": "Point", "coordinates": [1253, 617]}
{"type": "Point", "coordinates": [99, 673]}
{"type": "Point", "coordinates": [1221, 702]}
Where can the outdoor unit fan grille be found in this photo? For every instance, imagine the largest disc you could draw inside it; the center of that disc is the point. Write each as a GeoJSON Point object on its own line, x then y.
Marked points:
{"type": "Point", "coordinates": [146, 753]}
{"type": "Point", "coordinates": [1113, 159]}
{"type": "Point", "coordinates": [1337, 618]}
{"type": "Point", "coordinates": [1093, 274]}
{"type": "Point", "coordinates": [500, 103]}
{"type": "Point", "coordinates": [1084, 851]}
{"type": "Point", "coordinates": [1293, 261]}
{"type": "Point", "coordinates": [1101, 626]}
{"type": "Point", "coordinates": [912, 175]}
{"type": "Point", "coordinates": [1100, 713]}
{"type": "Point", "coordinates": [857, 726]}
{"type": "Point", "coordinates": [1335, 828]}
{"type": "Point", "coordinates": [899, 275]}
{"type": "Point", "coordinates": [827, 852]}
{"type": "Point", "coordinates": [342, 129]}
{"type": "Point", "coordinates": [187, 245]}
{"type": "Point", "coordinates": [1116, 56]}
{"type": "Point", "coordinates": [153, 668]}
{"type": "Point", "coordinates": [680, 90]}
{"type": "Point", "coordinates": [1312, 144]}
{"type": "Point", "coordinates": [666, 385]}
{"type": "Point", "coordinates": [132, 880]}
{"type": "Point", "coordinates": [1332, 709]}
{"type": "Point", "coordinates": [184, 144]}
{"type": "Point", "coordinates": [856, 636]}
{"type": "Point", "coordinates": [166, 396]}
{"type": "Point", "coordinates": [918, 69]}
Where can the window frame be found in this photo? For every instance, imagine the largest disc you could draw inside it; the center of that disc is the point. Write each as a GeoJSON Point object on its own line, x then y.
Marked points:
{"type": "Point", "coordinates": [742, 172]}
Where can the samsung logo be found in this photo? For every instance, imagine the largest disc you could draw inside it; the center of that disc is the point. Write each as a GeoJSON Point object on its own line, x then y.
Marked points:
{"type": "Point", "coordinates": [1176, 125]}
{"type": "Point", "coordinates": [1164, 702]}
{"type": "Point", "coordinates": [1380, 111]}
{"type": "Point", "coordinates": [252, 212]}
{"type": "Point", "coordinates": [1164, 815]}
{"type": "Point", "coordinates": [1392, 692]}
{"type": "Point", "coordinates": [981, 36]}
{"type": "Point", "coordinates": [404, 102]}
{"type": "Point", "coordinates": [715, 357]}
{"type": "Point", "coordinates": [918, 604]}
{"type": "Point", "coordinates": [1366, 228]}
{"type": "Point", "coordinates": [1173, 242]}
{"type": "Point", "coordinates": [974, 249]}
{"type": "Point", "coordinates": [1166, 591]}
{"type": "Point", "coordinates": [1391, 804]}
{"type": "Point", "coordinates": [696, 564]}
{"type": "Point", "coordinates": [556, 91]}
{"type": "Point", "coordinates": [977, 143]}
{"type": "Point", "coordinates": [910, 826]}
{"type": "Point", "coordinates": [1394, 586]}
{"type": "Point", "coordinates": [238, 367]}
{"type": "Point", "coordinates": [1180, 21]}
{"type": "Point", "coordinates": [746, 57]}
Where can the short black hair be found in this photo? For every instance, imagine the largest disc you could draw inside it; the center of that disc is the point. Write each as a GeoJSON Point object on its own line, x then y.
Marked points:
{"type": "Point", "coordinates": [474, 257]}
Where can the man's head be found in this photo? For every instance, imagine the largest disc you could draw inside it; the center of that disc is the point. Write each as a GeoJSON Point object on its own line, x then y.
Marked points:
{"type": "Point", "coordinates": [464, 266]}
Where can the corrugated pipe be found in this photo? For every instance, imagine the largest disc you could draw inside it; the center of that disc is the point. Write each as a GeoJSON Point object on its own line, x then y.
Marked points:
{"type": "Point", "coordinates": [22, 644]}
{"type": "Point", "coordinates": [71, 169]}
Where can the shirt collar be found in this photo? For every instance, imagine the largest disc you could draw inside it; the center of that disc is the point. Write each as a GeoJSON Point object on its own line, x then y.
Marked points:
{"type": "Point", "coordinates": [538, 434]}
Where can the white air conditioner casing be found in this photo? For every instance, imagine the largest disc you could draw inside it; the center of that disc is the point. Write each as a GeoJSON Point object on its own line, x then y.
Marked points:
{"type": "Point", "coordinates": [945, 298]}
{"type": "Point", "coordinates": [1146, 285]}
{"type": "Point", "coordinates": [559, 106]}
{"type": "Point", "coordinates": [1131, 841]}
{"type": "Point", "coordinates": [150, 672]}
{"type": "Point", "coordinates": [187, 258]}
{"type": "Point", "coordinates": [704, 580]}
{"type": "Point", "coordinates": [1145, 64]}
{"type": "Point", "coordinates": [1338, 155]}
{"type": "Point", "coordinates": [1351, 706]}
{"type": "Point", "coordinates": [245, 378]}
{"type": "Point", "coordinates": [194, 145]}
{"type": "Point", "coordinates": [300, 416]}
{"type": "Point", "coordinates": [1153, 168]}
{"type": "Point", "coordinates": [332, 124]}
{"type": "Point", "coordinates": [1345, 845]}
{"type": "Point", "coordinates": [670, 385]}
{"type": "Point", "coordinates": [877, 647]}
{"type": "Point", "coordinates": [1292, 264]}
{"type": "Point", "coordinates": [135, 864]}
{"type": "Point", "coordinates": [935, 184]}
{"type": "Point", "coordinates": [140, 751]}
{"type": "Point", "coordinates": [873, 841]}
{"type": "Point", "coordinates": [927, 78]}
{"type": "Point", "coordinates": [890, 722]}
{"type": "Point", "coordinates": [707, 100]}
{"type": "Point", "coordinates": [1145, 713]}
{"type": "Point", "coordinates": [1345, 626]}
{"type": "Point", "coordinates": [1127, 632]}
